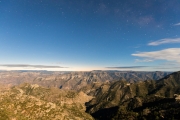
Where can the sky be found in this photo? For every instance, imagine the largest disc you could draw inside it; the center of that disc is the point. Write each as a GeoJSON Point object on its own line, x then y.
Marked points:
{"type": "Point", "coordinates": [84, 35]}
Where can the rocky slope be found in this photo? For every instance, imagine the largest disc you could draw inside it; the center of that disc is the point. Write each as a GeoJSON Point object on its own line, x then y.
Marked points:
{"type": "Point", "coordinates": [141, 100]}
{"type": "Point", "coordinates": [32, 102]}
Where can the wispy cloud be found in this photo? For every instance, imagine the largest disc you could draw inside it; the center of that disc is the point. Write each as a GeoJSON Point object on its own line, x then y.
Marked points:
{"type": "Point", "coordinates": [143, 60]}
{"type": "Point", "coordinates": [177, 24]}
{"type": "Point", "coordinates": [165, 41]}
{"type": "Point", "coordinates": [166, 68]}
{"type": "Point", "coordinates": [170, 54]}
{"type": "Point", "coordinates": [32, 66]}
{"type": "Point", "coordinates": [170, 64]}
{"type": "Point", "coordinates": [127, 67]}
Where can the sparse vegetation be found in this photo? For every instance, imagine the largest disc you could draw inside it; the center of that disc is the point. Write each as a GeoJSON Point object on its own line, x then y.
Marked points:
{"type": "Point", "coordinates": [24, 102]}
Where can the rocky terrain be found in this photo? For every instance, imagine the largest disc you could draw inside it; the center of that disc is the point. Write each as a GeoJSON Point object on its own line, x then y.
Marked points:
{"type": "Point", "coordinates": [32, 102]}
{"type": "Point", "coordinates": [141, 100]}
{"type": "Point", "coordinates": [99, 95]}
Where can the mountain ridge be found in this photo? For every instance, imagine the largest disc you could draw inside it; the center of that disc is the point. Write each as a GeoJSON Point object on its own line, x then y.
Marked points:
{"type": "Point", "coordinates": [131, 100]}
{"type": "Point", "coordinates": [75, 80]}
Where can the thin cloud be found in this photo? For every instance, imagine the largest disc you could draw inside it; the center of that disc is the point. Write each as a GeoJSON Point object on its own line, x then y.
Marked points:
{"type": "Point", "coordinates": [32, 66]}
{"type": "Point", "coordinates": [171, 54]}
{"type": "Point", "coordinates": [177, 24]}
{"type": "Point", "coordinates": [164, 41]}
{"type": "Point", "coordinates": [127, 67]}
{"type": "Point", "coordinates": [169, 64]}
{"type": "Point", "coordinates": [166, 67]}
{"type": "Point", "coordinates": [143, 60]}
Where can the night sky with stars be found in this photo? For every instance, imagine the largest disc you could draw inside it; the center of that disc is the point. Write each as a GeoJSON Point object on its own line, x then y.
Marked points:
{"type": "Point", "coordinates": [83, 35]}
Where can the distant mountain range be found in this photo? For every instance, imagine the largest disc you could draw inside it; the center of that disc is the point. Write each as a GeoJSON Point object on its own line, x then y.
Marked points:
{"type": "Point", "coordinates": [75, 80]}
